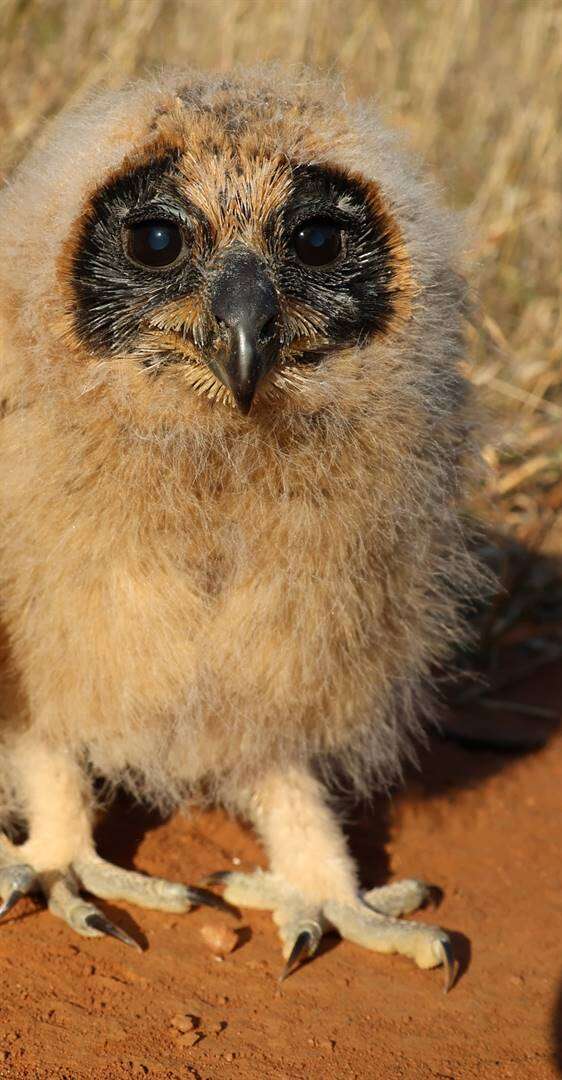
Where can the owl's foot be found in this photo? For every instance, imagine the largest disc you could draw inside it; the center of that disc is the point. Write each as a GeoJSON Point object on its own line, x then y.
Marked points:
{"type": "Point", "coordinates": [370, 920]}
{"type": "Point", "coordinates": [62, 892]}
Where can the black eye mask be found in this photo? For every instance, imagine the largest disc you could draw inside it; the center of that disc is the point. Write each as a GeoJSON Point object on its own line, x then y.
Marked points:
{"type": "Point", "coordinates": [329, 249]}
{"type": "Point", "coordinates": [347, 272]}
{"type": "Point", "coordinates": [133, 256]}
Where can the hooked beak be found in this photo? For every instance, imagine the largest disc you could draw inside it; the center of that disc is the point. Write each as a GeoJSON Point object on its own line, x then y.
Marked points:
{"type": "Point", "coordinates": [244, 302]}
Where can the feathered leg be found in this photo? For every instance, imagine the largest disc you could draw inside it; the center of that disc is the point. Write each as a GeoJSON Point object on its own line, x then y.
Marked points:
{"type": "Point", "coordinates": [312, 884]}
{"type": "Point", "coordinates": [59, 858]}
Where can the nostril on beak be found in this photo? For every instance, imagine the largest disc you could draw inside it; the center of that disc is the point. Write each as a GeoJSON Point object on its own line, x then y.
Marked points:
{"type": "Point", "coordinates": [268, 330]}
{"type": "Point", "coordinates": [263, 334]}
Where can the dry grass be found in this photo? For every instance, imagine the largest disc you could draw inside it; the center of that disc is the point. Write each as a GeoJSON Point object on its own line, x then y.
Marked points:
{"type": "Point", "coordinates": [476, 84]}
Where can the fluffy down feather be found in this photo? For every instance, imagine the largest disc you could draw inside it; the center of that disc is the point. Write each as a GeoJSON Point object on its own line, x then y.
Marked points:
{"type": "Point", "coordinates": [190, 597]}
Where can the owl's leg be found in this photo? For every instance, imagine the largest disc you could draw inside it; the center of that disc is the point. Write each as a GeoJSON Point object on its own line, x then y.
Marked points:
{"type": "Point", "coordinates": [59, 857]}
{"type": "Point", "coordinates": [312, 884]}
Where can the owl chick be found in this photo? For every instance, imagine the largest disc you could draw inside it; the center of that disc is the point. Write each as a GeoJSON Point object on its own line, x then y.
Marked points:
{"type": "Point", "coordinates": [234, 440]}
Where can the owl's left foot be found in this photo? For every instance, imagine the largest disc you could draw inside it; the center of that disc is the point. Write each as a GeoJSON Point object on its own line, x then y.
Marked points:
{"type": "Point", "coordinates": [371, 920]}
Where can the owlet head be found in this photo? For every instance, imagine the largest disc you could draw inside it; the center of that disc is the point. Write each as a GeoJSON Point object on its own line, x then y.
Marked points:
{"type": "Point", "coordinates": [231, 247]}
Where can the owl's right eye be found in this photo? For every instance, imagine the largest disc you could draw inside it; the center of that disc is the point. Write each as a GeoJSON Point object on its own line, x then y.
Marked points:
{"type": "Point", "coordinates": [155, 243]}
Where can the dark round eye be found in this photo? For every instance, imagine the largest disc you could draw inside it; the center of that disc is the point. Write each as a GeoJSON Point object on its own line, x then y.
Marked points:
{"type": "Point", "coordinates": [317, 242]}
{"type": "Point", "coordinates": [154, 243]}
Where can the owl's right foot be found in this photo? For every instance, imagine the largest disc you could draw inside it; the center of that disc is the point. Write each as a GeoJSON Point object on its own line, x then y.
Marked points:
{"type": "Point", "coordinates": [61, 890]}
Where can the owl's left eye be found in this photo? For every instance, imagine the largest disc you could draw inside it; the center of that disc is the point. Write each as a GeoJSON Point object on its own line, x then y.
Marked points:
{"type": "Point", "coordinates": [155, 243]}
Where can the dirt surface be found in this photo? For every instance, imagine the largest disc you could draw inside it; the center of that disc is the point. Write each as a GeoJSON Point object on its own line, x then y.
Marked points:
{"type": "Point", "coordinates": [485, 826]}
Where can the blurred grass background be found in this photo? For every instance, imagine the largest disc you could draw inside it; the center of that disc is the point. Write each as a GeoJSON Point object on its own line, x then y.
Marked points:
{"type": "Point", "coordinates": [477, 87]}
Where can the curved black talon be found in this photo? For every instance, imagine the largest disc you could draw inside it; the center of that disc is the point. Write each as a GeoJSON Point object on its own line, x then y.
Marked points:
{"type": "Point", "coordinates": [10, 902]}
{"type": "Point", "coordinates": [300, 950]}
{"type": "Point", "coordinates": [217, 878]}
{"type": "Point", "coordinates": [96, 921]}
{"type": "Point", "coordinates": [450, 965]}
{"type": "Point", "coordinates": [209, 899]}
{"type": "Point", "coordinates": [434, 897]}
{"type": "Point", "coordinates": [22, 878]}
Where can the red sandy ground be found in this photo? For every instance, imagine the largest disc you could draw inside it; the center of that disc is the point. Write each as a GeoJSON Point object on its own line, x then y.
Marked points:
{"type": "Point", "coordinates": [485, 826]}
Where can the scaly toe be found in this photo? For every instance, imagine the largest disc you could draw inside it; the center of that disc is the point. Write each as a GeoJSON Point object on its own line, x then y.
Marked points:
{"type": "Point", "coordinates": [400, 898]}
{"type": "Point", "coordinates": [110, 882]}
{"type": "Point", "coordinates": [258, 889]}
{"type": "Point", "coordinates": [427, 946]}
